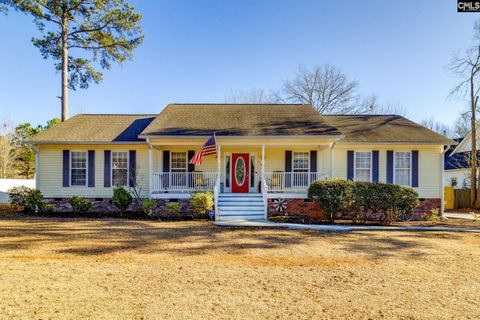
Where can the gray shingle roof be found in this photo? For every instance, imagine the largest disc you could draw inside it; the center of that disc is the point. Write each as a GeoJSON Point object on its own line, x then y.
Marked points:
{"type": "Point", "coordinates": [384, 128]}
{"type": "Point", "coordinates": [239, 120]}
{"type": "Point", "coordinates": [97, 128]}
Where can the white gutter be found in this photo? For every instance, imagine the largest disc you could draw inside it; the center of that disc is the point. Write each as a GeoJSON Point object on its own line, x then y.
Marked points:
{"type": "Point", "coordinates": [37, 166]}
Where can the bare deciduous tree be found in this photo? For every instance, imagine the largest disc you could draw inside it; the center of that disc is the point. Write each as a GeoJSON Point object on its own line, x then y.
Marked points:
{"type": "Point", "coordinates": [390, 108]}
{"type": "Point", "coordinates": [466, 67]}
{"type": "Point", "coordinates": [326, 88]}
{"type": "Point", "coordinates": [252, 96]}
{"type": "Point", "coordinates": [462, 126]}
{"type": "Point", "coordinates": [437, 126]}
{"type": "Point", "coordinates": [7, 150]}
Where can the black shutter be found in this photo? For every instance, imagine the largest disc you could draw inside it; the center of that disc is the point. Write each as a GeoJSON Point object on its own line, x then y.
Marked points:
{"type": "Point", "coordinates": [350, 159]}
{"type": "Point", "coordinates": [288, 168]}
{"type": "Point", "coordinates": [191, 167]}
{"type": "Point", "coordinates": [66, 168]}
{"type": "Point", "coordinates": [132, 168]}
{"type": "Point", "coordinates": [375, 161]}
{"type": "Point", "coordinates": [91, 168]}
{"type": "Point", "coordinates": [390, 166]}
{"type": "Point", "coordinates": [166, 168]}
{"type": "Point", "coordinates": [107, 178]}
{"type": "Point", "coordinates": [415, 168]}
{"type": "Point", "coordinates": [313, 165]}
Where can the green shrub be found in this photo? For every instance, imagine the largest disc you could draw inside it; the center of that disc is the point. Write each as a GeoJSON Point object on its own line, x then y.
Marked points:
{"type": "Point", "coordinates": [433, 215]}
{"type": "Point", "coordinates": [79, 204]}
{"type": "Point", "coordinates": [359, 199]}
{"type": "Point", "coordinates": [18, 196]}
{"type": "Point", "coordinates": [121, 199]}
{"type": "Point", "coordinates": [174, 208]}
{"type": "Point", "coordinates": [202, 204]}
{"type": "Point", "coordinates": [49, 208]}
{"type": "Point", "coordinates": [34, 201]}
{"type": "Point", "coordinates": [332, 195]}
{"type": "Point", "coordinates": [148, 206]}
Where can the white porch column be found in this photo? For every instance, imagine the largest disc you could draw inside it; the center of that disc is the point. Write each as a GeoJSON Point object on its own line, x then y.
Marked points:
{"type": "Point", "coordinates": [263, 163]}
{"type": "Point", "coordinates": [219, 155]}
{"type": "Point", "coordinates": [150, 170]}
{"type": "Point", "coordinates": [331, 159]}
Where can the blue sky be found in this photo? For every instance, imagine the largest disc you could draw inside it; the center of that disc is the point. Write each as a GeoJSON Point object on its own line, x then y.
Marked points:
{"type": "Point", "coordinates": [199, 51]}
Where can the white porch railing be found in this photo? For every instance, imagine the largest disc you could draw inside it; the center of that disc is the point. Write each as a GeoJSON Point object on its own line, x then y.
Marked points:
{"type": "Point", "coordinates": [294, 182]}
{"type": "Point", "coordinates": [216, 193]}
{"type": "Point", "coordinates": [183, 181]}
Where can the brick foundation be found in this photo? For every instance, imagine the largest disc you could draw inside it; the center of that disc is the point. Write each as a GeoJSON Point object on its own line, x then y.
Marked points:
{"type": "Point", "coordinates": [312, 210]}
{"type": "Point", "coordinates": [427, 204]}
{"type": "Point", "coordinates": [296, 207]}
{"type": "Point", "coordinates": [105, 206]}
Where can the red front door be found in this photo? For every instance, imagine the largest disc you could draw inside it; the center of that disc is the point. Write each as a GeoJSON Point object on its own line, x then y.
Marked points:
{"type": "Point", "coordinates": [240, 172]}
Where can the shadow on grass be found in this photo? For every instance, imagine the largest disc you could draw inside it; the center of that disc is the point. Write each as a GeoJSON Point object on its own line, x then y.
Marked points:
{"type": "Point", "coordinates": [88, 237]}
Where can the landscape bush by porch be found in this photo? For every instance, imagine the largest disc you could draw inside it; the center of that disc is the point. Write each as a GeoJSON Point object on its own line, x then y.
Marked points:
{"type": "Point", "coordinates": [333, 195]}
{"type": "Point", "coordinates": [121, 199]}
{"type": "Point", "coordinates": [18, 196]}
{"type": "Point", "coordinates": [202, 203]}
{"type": "Point", "coordinates": [360, 200]}
{"type": "Point", "coordinates": [29, 200]}
{"type": "Point", "coordinates": [148, 206]}
{"type": "Point", "coordinates": [79, 204]}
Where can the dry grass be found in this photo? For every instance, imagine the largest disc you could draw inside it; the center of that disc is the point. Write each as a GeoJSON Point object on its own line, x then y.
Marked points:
{"type": "Point", "coordinates": [116, 269]}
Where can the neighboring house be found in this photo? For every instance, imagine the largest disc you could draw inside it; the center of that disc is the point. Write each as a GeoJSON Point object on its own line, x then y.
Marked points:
{"type": "Point", "coordinates": [7, 184]}
{"type": "Point", "coordinates": [265, 152]}
{"type": "Point", "coordinates": [457, 167]}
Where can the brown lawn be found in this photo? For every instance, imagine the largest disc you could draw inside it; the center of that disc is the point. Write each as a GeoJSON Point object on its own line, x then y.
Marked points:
{"type": "Point", "coordinates": [117, 269]}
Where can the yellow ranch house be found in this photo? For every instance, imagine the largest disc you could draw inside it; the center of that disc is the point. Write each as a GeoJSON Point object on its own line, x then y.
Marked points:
{"type": "Point", "coordinates": [266, 156]}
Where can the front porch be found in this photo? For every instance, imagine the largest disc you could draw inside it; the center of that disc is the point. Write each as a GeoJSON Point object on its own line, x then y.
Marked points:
{"type": "Point", "coordinates": [293, 183]}
{"type": "Point", "coordinates": [275, 170]}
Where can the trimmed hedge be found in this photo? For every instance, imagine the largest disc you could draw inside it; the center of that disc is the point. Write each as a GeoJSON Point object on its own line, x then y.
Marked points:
{"type": "Point", "coordinates": [359, 200]}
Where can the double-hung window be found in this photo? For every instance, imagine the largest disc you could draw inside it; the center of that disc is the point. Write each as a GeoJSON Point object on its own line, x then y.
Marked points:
{"type": "Point", "coordinates": [300, 167]}
{"type": "Point", "coordinates": [363, 166]}
{"type": "Point", "coordinates": [402, 164]}
{"type": "Point", "coordinates": [178, 168]}
{"type": "Point", "coordinates": [119, 168]}
{"type": "Point", "coordinates": [78, 165]}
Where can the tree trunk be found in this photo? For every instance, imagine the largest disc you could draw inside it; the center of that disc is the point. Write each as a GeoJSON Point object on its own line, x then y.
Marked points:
{"type": "Point", "coordinates": [64, 68]}
{"type": "Point", "coordinates": [473, 188]}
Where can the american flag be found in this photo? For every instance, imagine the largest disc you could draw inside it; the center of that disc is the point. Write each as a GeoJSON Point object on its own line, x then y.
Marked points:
{"type": "Point", "coordinates": [210, 147]}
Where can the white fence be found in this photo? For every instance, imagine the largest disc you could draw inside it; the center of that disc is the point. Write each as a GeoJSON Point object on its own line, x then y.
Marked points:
{"type": "Point", "coordinates": [6, 184]}
{"type": "Point", "coordinates": [294, 182]}
{"type": "Point", "coordinates": [183, 181]}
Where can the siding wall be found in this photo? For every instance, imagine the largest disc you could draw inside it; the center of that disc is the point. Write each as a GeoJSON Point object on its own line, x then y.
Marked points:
{"type": "Point", "coordinates": [50, 173]}
{"type": "Point", "coordinates": [51, 176]}
{"type": "Point", "coordinates": [429, 165]}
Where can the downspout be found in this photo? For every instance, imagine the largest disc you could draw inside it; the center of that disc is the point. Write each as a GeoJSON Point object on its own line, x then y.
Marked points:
{"type": "Point", "coordinates": [442, 184]}
{"type": "Point", "coordinates": [37, 166]}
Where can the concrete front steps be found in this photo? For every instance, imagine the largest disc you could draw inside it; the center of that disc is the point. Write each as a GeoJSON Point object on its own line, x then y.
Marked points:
{"type": "Point", "coordinates": [240, 206]}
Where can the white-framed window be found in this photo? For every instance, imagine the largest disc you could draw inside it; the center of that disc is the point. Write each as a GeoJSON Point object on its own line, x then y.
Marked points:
{"type": "Point", "coordinates": [78, 168]}
{"type": "Point", "coordinates": [178, 162]}
{"type": "Point", "coordinates": [119, 168]}
{"type": "Point", "coordinates": [363, 166]}
{"type": "Point", "coordinates": [402, 164]}
{"type": "Point", "coordinates": [300, 161]}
